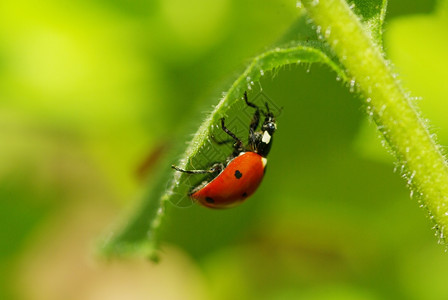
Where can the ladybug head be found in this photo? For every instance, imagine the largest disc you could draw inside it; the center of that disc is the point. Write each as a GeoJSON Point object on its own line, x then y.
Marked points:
{"type": "Point", "coordinates": [263, 140]}
{"type": "Point", "coordinates": [269, 124]}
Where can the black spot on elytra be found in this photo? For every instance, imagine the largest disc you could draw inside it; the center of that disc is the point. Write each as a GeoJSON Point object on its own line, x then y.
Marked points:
{"type": "Point", "coordinates": [209, 200]}
{"type": "Point", "coordinates": [244, 195]}
{"type": "Point", "coordinates": [238, 174]}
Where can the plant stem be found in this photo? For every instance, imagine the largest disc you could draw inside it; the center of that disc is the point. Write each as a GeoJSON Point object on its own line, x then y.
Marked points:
{"type": "Point", "coordinates": [423, 165]}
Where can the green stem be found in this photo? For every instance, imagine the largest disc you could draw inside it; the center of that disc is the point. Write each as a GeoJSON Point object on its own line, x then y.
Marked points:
{"type": "Point", "coordinates": [424, 167]}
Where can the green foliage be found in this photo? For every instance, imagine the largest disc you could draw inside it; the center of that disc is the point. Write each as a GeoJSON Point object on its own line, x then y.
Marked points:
{"type": "Point", "coordinates": [348, 40]}
{"type": "Point", "coordinates": [93, 93]}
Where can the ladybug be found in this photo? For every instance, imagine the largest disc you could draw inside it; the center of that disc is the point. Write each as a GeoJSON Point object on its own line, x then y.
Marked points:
{"type": "Point", "coordinates": [230, 184]}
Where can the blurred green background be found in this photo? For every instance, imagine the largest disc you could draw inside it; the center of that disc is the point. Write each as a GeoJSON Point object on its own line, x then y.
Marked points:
{"type": "Point", "coordinates": [90, 89]}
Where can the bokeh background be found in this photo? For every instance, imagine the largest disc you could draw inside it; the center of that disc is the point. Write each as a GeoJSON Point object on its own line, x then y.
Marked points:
{"type": "Point", "coordinates": [90, 90]}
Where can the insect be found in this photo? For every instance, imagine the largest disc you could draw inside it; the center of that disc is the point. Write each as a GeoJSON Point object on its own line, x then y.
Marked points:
{"type": "Point", "coordinates": [233, 182]}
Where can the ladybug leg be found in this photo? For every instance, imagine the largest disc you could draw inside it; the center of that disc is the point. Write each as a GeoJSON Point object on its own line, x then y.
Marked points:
{"type": "Point", "coordinates": [253, 123]}
{"type": "Point", "coordinates": [238, 143]}
{"type": "Point", "coordinates": [249, 103]}
{"type": "Point", "coordinates": [213, 138]}
{"type": "Point", "coordinates": [267, 108]}
{"type": "Point", "coordinates": [256, 118]}
{"type": "Point", "coordinates": [216, 168]}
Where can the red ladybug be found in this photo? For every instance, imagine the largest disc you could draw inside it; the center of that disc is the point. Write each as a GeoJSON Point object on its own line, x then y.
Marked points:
{"type": "Point", "coordinates": [233, 183]}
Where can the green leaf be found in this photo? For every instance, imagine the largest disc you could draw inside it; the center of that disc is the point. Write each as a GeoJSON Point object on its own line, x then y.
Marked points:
{"type": "Point", "coordinates": [372, 14]}
{"type": "Point", "coordinates": [304, 43]}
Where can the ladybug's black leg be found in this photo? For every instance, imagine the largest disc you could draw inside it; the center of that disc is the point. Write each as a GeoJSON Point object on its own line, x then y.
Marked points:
{"type": "Point", "coordinates": [249, 103]}
{"type": "Point", "coordinates": [267, 108]}
{"type": "Point", "coordinates": [255, 119]}
{"type": "Point", "coordinates": [253, 123]}
{"type": "Point", "coordinates": [216, 168]}
{"type": "Point", "coordinates": [238, 143]}
{"type": "Point", "coordinates": [212, 137]}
